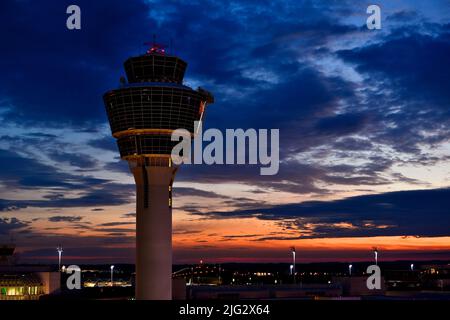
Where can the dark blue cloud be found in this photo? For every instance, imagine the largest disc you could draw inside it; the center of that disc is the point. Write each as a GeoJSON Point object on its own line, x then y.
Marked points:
{"type": "Point", "coordinates": [106, 143]}
{"type": "Point", "coordinates": [11, 225]}
{"type": "Point", "coordinates": [409, 88]}
{"type": "Point", "coordinates": [77, 160]}
{"type": "Point", "coordinates": [342, 124]}
{"type": "Point", "coordinates": [58, 76]}
{"type": "Point", "coordinates": [404, 16]}
{"type": "Point", "coordinates": [65, 219]}
{"type": "Point", "coordinates": [353, 144]}
{"type": "Point", "coordinates": [404, 213]}
{"type": "Point", "coordinates": [115, 224]}
{"type": "Point", "coordinates": [415, 64]}
{"type": "Point", "coordinates": [27, 172]}
{"type": "Point", "coordinates": [108, 194]}
{"type": "Point", "coordinates": [64, 73]}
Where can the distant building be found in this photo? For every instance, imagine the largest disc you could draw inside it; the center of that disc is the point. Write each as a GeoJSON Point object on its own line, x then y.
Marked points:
{"type": "Point", "coordinates": [20, 287]}
{"type": "Point", "coordinates": [436, 276]}
{"type": "Point", "coordinates": [25, 282]}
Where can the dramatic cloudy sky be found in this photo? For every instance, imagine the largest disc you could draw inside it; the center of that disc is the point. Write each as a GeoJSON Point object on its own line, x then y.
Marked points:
{"type": "Point", "coordinates": [364, 119]}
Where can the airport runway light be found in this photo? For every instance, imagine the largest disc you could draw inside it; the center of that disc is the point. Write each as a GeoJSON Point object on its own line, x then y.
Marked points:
{"type": "Point", "coordinates": [293, 258]}
{"type": "Point", "coordinates": [60, 251]}
{"type": "Point", "coordinates": [112, 275]}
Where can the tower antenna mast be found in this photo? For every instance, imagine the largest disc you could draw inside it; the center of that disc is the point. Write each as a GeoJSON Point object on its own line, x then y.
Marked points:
{"type": "Point", "coordinates": [155, 48]}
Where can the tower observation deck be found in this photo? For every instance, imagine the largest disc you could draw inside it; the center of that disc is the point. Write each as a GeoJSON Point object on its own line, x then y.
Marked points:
{"type": "Point", "coordinates": [143, 113]}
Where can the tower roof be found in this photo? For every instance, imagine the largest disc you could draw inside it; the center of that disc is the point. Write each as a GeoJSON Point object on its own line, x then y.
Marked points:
{"type": "Point", "coordinates": [155, 67]}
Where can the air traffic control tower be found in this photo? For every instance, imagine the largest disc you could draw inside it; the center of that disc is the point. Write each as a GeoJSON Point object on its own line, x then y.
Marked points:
{"type": "Point", "coordinates": [143, 113]}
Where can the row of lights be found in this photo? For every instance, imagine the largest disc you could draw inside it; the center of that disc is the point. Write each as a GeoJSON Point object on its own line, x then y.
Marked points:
{"type": "Point", "coordinates": [291, 267]}
{"type": "Point", "coordinates": [60, 251]}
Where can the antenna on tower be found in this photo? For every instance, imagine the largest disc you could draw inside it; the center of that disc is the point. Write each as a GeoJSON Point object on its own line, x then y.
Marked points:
{"type": "Point", "coordinates": [155, 47]}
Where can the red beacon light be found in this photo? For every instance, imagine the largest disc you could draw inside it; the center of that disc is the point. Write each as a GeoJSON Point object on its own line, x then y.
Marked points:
{"type": "Point", "coordinates": [155, 48]}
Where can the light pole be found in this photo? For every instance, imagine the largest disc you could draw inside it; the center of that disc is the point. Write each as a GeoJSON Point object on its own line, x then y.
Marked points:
{"type": "Point", "coordinates": [412, 266]}
{"type": "Point", "coordinates": [112, 275]}
{"type": "Point", "coordinates": [293, 258]}
{"type": "Point", "coordinates": [375, 251]}
{"type": "Point", "coordinates": [291, 267]}
{"type": "Point", "coordinates": [350, 269]}
{"type": "Point", "coordinates": [60, 251]}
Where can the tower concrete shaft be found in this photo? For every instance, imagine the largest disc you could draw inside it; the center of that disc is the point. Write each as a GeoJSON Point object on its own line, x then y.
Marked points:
{"type": "Point", "coordinates": [153, 231]}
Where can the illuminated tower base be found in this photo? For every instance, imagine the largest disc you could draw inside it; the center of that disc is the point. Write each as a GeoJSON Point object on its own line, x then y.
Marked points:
{"type": "Point", "coordinates": [153, 231]}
